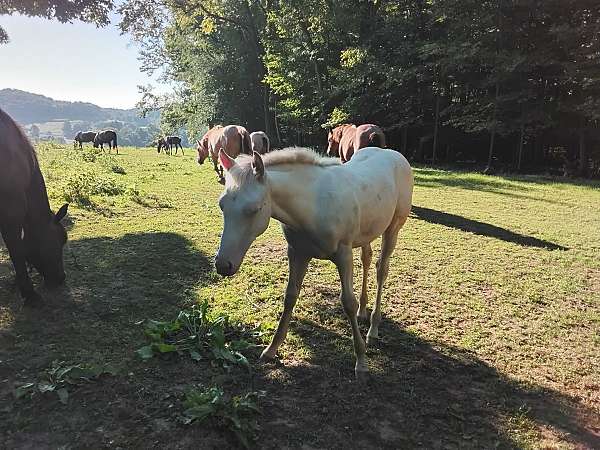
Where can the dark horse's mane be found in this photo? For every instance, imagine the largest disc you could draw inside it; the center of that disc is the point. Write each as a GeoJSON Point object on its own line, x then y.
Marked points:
{"type": "Point", "coordinates": [13, 136]}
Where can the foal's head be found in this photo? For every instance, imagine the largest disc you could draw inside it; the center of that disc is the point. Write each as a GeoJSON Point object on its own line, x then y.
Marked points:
{"type": "Point", "coordinates": [246, 207]}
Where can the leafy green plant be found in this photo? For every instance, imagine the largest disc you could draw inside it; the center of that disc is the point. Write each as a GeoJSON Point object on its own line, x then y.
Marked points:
{"type": "Point", "coordinates": [60, 377]}
{"type": "Point", "coordinates": [196, 333]}
{"type": "Point", "coordinates": [237, 413]}
{"type": "Point", "coordinates": [81, 186]}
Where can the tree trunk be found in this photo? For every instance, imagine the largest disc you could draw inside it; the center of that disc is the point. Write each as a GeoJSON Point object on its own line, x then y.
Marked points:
{"type": "Point", "coordinates": [521, 137]}
{"type": "Point", "coordinates": [435, 128]}
{"type": "Point", "coordinates": [488, 169]}
{"type": "Point", "coordinates": [583, 159]}
{"type": "Point", "coordinates": [404, 138]}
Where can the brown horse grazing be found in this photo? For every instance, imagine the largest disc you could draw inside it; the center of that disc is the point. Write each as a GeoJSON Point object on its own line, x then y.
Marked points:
{"type": "Point", "coordinates": [233, 139]}
{"type": "Point", "coordinates": [346, 139]}
{"type": "Point", "coordinates": [168, 142]}
{"type": "Point", "coordinates": [81, 137]}
{"type": "Point", "coordinates": [31, 232]}
{"type": "Point", "coordinates": [106, 137]}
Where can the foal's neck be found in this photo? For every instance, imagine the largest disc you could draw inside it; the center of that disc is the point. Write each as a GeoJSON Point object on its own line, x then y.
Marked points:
{"type": "Point", "coordinates": [292, 195]}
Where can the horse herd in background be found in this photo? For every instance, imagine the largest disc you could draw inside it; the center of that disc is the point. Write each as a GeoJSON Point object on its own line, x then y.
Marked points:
{"type": "Point", "coordinates": [343, 141]}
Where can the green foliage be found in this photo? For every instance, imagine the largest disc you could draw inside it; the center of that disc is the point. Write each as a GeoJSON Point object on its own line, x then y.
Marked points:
{"type": "Point", "coordinates": [80, 187]}
{"type": "Point", "coordinates": [61, 377]}
{"type": "Point", "coordinates": [518, 71]}
{"type": "Point", "coordinates": [195, 333]}
{"type": "Point", "coordinates": [237, 414]}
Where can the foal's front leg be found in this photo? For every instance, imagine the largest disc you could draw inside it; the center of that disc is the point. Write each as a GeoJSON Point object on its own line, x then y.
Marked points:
{"type": "Point", "coordinates": [343, 261]}
{"type": "Point", "coordinates": [298, 265]}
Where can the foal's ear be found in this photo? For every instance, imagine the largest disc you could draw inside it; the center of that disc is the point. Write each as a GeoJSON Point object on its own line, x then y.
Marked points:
{"type": "Point", "coordinates": [226, 161]}
{"type": "Point", "coordinates": [61, 213]}
{"type": "Point", "coordinates": [258, 166]}
{"type": "Point", "coordinates": [198, 142]}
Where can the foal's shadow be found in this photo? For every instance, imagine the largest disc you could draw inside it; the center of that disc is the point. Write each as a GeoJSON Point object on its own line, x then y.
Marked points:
{"type": "Point", "coordinates": [421, 394]}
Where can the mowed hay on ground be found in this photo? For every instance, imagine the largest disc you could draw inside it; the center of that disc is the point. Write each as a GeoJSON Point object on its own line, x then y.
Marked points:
{"type": "Point", "coordinates": [490, 336]}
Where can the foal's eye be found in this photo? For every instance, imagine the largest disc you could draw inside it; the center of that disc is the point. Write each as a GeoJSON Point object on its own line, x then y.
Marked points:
{"type": "Point", "coordinates": [251, 210]}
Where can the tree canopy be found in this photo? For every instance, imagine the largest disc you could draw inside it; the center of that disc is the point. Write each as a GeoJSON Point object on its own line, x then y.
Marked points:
{"type": "Point", "coordinates": [501, 82]}
{"type": "Point", "coordinates": [94, 11]}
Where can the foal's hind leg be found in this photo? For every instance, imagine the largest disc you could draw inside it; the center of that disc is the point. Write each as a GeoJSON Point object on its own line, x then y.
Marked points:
{"type": "Point", "coordinates": [344, 262]}
{"type": "Point", "coordinates": [388, 243]}
{"type": "Point", "coordinates": [366, 255]}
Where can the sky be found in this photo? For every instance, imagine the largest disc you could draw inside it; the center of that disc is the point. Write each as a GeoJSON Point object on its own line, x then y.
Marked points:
{"type": "Point", "coordinates": [75, 62]}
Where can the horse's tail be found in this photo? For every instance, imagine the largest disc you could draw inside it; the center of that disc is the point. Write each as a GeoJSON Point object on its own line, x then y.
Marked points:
{"type": "Point", "coordinates": [377, 139]}
{"type": "Point", "coordinates": [246, 144]}
{"type": "Point", "coordinates": [115, 141]}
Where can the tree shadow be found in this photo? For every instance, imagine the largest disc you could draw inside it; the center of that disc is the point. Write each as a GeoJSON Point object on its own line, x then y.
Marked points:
{"type": "Point", "coordinates": [111, 284]}
{"type": "Point", "coordinates": [492, 186]}
{"type": "Point", "coordinates": [481, 228]}
{"type": "Point", "coordinates": [421, 394]}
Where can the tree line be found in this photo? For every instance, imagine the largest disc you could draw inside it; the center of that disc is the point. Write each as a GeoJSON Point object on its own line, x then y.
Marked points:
{"type": "Point", "coordinates": [504, 83]}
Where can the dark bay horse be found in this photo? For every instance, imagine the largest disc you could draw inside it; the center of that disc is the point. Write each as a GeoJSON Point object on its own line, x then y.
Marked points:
{"type": "Point", "coordinates": [83, 136]}
{"type": "Point", "coordinates": [168, 142]}
{"type": "Point", "coordinates": [106, 137]}
{"type": "Point", "coordinates": [345, 140]}
{"type": "Point", "coordinates": [31, 232]}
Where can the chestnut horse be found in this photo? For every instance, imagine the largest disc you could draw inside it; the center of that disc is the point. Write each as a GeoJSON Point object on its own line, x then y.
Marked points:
{"type": "Point", "coordinates": [233, 139]}
{"type": "Point", "coordinates": [326, 209]}
{"type": "Point", "coordinates": [31, 232]}
{"type": "Point", "coordinates": [346, 139]}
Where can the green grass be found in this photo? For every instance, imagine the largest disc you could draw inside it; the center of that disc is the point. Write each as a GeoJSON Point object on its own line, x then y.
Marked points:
{"type": "Point", "coordinates": [490, 335]}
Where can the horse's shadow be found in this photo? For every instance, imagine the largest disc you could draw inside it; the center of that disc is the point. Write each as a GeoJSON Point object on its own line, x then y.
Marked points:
{"type": "Point", "coordinates": [421, 394]}
{"type": "Point", "coordinates": [481, 228]}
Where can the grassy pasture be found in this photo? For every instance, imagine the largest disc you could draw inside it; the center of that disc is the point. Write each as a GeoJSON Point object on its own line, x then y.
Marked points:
{"type": "Point", "coordinates": [490, 336]}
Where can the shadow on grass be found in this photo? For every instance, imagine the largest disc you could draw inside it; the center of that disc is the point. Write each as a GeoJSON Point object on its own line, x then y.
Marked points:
{"type": "Point", "coordinates": [421, 395]}
{"type": "Point", "coordinates": [111, 284]}
{"type": "Point", "coordinates": [481, 228]}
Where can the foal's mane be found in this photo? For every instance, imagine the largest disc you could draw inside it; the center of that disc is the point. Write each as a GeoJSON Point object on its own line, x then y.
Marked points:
{"type": "Point", "coordinates": [291, 155]}
{"type": "Point", "coordinates": [286, 156]}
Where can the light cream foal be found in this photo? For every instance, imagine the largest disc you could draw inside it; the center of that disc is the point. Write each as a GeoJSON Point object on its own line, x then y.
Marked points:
{"type": "Point", "coordinates": [326, 209]}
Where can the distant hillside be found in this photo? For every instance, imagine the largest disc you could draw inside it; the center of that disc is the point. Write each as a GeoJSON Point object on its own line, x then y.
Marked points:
{"type": "Point", "coordinates": [27, 108]}
{"type": "Point", "coordinates": [45, 118]}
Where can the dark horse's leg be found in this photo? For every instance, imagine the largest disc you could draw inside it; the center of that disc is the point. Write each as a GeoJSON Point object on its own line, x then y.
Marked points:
{"type": "Point", "coordinates": [11, 232]}
{"type": "Point", "coordinates": [181, 147]}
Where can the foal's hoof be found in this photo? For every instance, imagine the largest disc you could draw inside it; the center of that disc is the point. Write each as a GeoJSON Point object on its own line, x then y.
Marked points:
{"type": "Point", "coordinates": [32, 300]}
